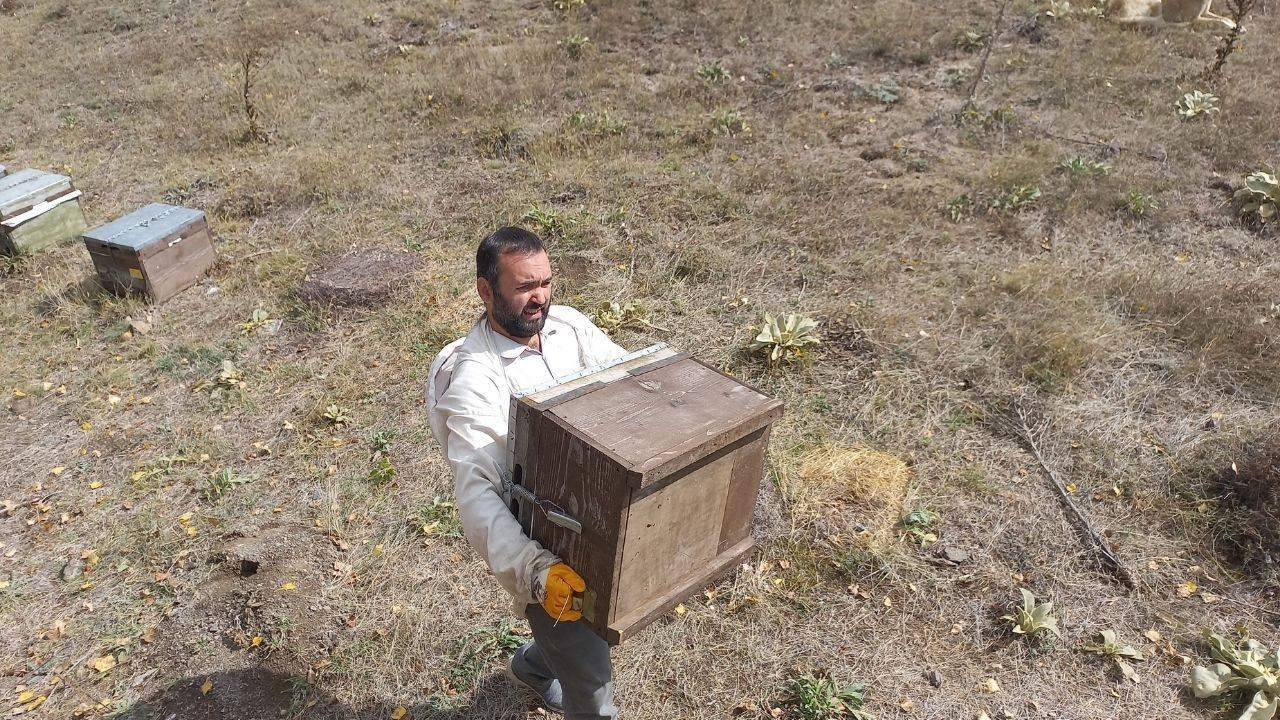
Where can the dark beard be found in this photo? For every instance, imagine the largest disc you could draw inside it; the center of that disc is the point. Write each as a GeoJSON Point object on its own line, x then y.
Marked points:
{"type": "Point", "coordinates": [515, 325]}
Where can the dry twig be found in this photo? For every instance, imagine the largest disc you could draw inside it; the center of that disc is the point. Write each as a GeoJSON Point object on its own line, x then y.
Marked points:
{"type": "Point", "coordinates": [1239, 9]}
{"type": "Point", "coordinates": [1028, 432]}
{"type": "Point", "coordinates": [986, 55]}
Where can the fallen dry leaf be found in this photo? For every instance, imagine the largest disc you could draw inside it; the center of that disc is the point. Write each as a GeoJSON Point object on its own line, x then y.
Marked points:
{"type": "Point", "coordinates": [149, 635]}
{"type": "Point", "coordinates": [1153, 635]}
{"type": "Point", "coordinates": [399, 712]}
{"type": "Point", "coordinates": [681, 609]}
{"type": "Point", "coordinates": [104, 663]}
{"type": "Point", "coordinates": [206, 686]}
{"type": "Point", "coordinates": [1187, 589]}
{"type": "Point", "coordinates": [289, 586]}
{"type": "Point", "coordinates": [990, 686]}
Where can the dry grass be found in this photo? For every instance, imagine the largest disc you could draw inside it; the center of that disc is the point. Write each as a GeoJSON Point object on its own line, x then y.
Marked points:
{"type": "Point", "coordinates": [423, 127]}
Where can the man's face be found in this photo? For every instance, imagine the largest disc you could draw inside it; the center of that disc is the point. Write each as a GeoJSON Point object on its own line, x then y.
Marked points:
{"type": "Point", "coordinates": [519, 303]}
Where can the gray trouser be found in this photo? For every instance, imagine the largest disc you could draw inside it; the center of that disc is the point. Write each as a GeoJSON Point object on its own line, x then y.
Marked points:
{"type": "Point", "coordinates": [578, 658]}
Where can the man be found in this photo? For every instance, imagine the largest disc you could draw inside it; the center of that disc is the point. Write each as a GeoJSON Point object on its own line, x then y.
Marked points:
{"type": "Point", "coordinates": [521, 341]}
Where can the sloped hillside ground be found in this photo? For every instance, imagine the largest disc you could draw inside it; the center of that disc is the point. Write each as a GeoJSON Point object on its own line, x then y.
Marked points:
{"type": "Point", "coordinates": [230, 506]}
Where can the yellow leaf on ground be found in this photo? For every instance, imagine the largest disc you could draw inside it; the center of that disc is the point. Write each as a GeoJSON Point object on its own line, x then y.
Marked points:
{"type": "Point", "coordinates": [149, 635]}
{"type": "Point", "coordinates": [256, 641]}
{"type": "Point", "coordinates": [1153, 635]}
{"type": "Point", "coordinates": [104, 663]}
{"type": "Point", "coordinates": [86, 426]}
{"type": "Point", "coordinates": [1072, 488]}
{"type": "Point", "coordinates": [4, 584]}
{"type": "Point", "coordinates": [681, 609]}
{"type": "Point", "coordinates": [399, 713]}
{"type": "Point", "coordinates": [192, 532]}
{"type": "Point", "coordinates": [289, 585]}
{"type": "Point", "coordinates": [95, 484]}
{"type": "Point", "coordinates": [206, 686]}
{"type": "Point", "coordinates": [990, 686]}
{"type": "Point", "coordinates": [57, 471]}
{"type": "Point", "coordinates": [377, 550]}
{"type": "Point", "coordinates": [26, 696]}
{"type": "Point", "coordinates": [1187, 589]}
{"type": "Point", "coordinates": [185, 517]}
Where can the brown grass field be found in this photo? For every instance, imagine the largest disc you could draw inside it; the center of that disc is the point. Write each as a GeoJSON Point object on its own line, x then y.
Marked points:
{"type": "Point", "coordinates": [174, 549]}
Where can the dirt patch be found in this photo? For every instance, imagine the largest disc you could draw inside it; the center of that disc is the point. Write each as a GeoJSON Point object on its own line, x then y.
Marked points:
{"type": "Point", "coordinates": [361, 279]}
{"type": "Point", "coordinates": [264, 598]}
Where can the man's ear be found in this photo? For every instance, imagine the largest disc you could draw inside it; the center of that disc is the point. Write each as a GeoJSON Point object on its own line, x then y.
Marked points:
{"type": "Point", "coordinates": [485, 291]}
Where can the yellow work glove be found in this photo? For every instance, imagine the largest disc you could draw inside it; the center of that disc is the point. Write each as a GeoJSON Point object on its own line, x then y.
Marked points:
{"type": "Point", "coordinates": [562, 583]}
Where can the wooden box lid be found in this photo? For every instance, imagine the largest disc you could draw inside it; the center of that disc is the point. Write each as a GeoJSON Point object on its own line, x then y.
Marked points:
{"type": "Point", "coordinates": [657, 411]}
{"type": "Point", "coordinates": [145, 226]}
{"type": "Point", "coordinates": [25, 189]}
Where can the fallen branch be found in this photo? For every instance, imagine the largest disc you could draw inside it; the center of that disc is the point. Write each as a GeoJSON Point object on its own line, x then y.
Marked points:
{"type": "Point", "coordinates": [1027, 435]}
{"type": "Point", "coordinates": [1110, 147]}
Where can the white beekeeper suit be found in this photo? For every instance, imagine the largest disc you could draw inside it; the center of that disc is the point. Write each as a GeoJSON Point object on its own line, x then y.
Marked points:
{"type": "Point", "coordinates": [468, 400]}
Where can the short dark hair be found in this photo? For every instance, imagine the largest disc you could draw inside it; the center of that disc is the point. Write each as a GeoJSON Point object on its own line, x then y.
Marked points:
{"type": "Point", "coordinates": [504, 241]}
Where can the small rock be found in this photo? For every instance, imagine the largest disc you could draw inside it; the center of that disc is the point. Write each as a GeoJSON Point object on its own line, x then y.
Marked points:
{"type": "Point", "coordinates": [955, 554]}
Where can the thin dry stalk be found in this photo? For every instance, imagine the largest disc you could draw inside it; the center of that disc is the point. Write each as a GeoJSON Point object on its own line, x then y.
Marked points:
{"type": "Point", "coordinates": [1239, 9]}
{"type": "Point", "coordinates": [251, 62]}
{"type": "Point", "coordinates": [986, 55]}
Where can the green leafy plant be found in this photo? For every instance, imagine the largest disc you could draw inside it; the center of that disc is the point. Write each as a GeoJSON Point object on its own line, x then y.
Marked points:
{"type": "Point", "coordinates": [887, 92]}
{"type": "Point", "coordinates": [729, 122]}
{"type": "Point", "coordinates": [836, 61]}
{"type": "Point", "coordinates": [259, 319]}
{"type": "Point", "coordinates": [1030, 619]}
{"type": "Point", "coordinates": [920, 523]}
{"type": "Point", "coordinates": [1197, 104]}
{"type": "Point", "coordinates": [221, 483]}
{"type": "Point", "coordinates": [1106, 645]}
{"type": "Point", "coordinates": [959, 207]}
{"type": "Point", "coordinates": [713, 72]}
{"type": "Point", "coordinates": [1058, 9]}
{"type": "Point", "coordinates": [553, 222]}
{"type": "Point", "coordinates": [437, 518]}
{"type": "Point", "coordinates": [817, 696]}
{"type": "Point", "coordinates": [998, 117]}
{"type": "Point", "coordinates": [1080, 166]}
{"type": "Point", "coordinates": [784, 338]}
{"type": "Point", "coordinates": [611, 316]}
{"type": "Point", "coordinates": [1247, 667]}
{"type": "Point", "coordinates": [1138, 204]}
{"type": "Point", "coordinates": [576, 45]}
{"type": "Point", "coordinates": [970, 40]}
{"type": "Point", "coordinates": [1259, 199]}
{"type": "Point", "coordinates": [12, 264]}
{"type": "Point", "coordinates": [336, 415]}
{"type": "Point", "coordinates": [1015, 199]}
{"type": "Point", "coordinates": [383, 471]}
{"type": "Point", "coordinates": [601, 123]}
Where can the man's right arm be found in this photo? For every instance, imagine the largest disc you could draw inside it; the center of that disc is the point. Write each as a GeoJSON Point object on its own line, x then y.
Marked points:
{"type": "Point", "coordinates": [475, 407]}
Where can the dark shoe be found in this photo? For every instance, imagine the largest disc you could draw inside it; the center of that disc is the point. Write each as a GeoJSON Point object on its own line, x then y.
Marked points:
{"type": "Point", "coordinates": [548, 691]}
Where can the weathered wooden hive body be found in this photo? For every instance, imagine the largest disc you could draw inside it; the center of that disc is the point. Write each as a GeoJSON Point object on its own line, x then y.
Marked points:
{"type": "Point", "coordinates": [659, 459]}
{"type": "Point", "coordinates": [158, 250]}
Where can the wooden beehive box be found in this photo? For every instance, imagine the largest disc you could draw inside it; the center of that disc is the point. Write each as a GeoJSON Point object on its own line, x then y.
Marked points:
{"type": "Point", "coordinates": [660, 458]}
{"type": "Point", "coordinates": [37, 210]}
{"type": "Point", "coordinates": [158, 250]}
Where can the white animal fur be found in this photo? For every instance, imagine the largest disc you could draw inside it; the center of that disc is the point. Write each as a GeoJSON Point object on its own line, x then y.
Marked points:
{"type": "Point", "coordinates": [1164, 12]}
